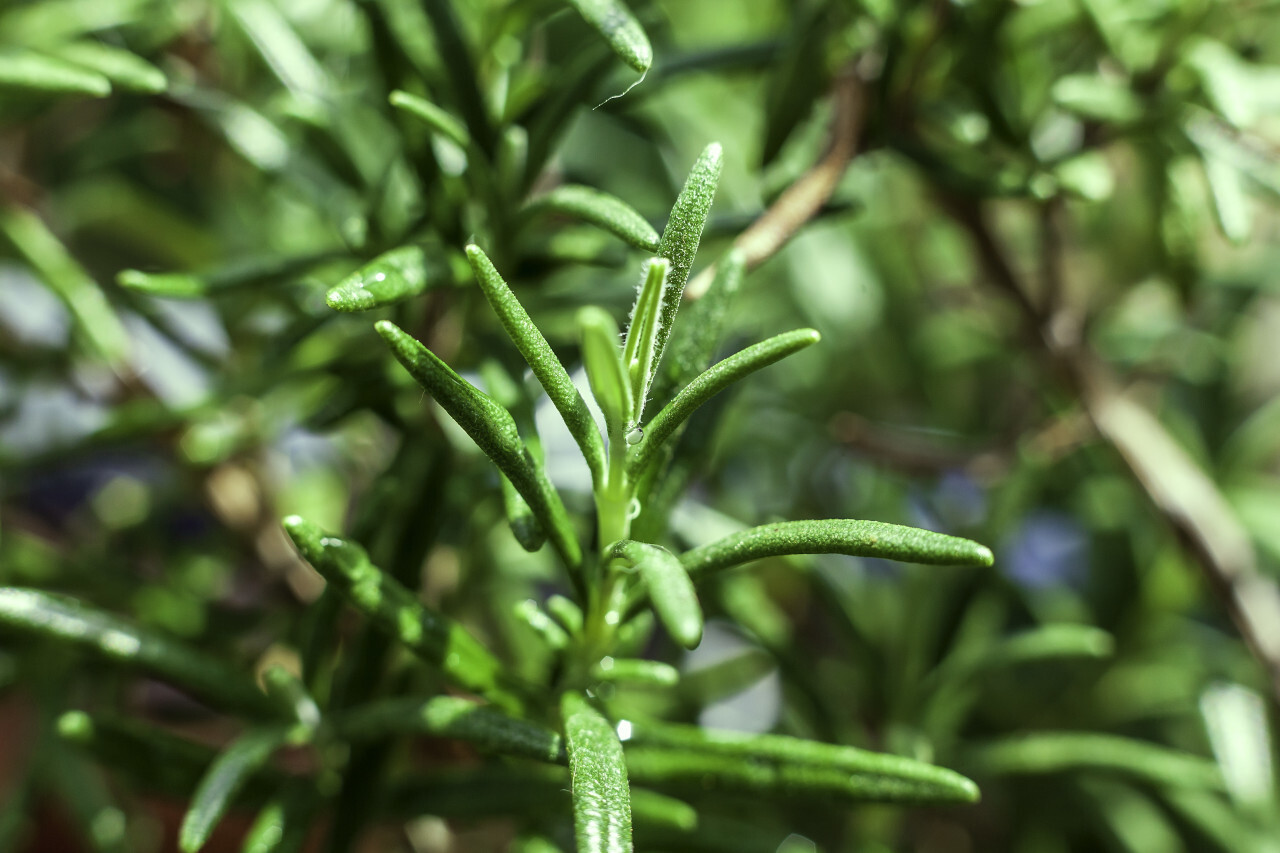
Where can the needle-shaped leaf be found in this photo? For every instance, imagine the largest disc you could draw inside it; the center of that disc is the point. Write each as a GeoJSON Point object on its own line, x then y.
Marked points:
{"type": "Point", "coordinates": [537, 352]}
{"type": "Point", "coordinates": [602, 357]}
{"type": "Point", "coordinates": [288, 691]}
{"type": "Point", "coordinates": [223, 780]}
{"type": "Point", "coordinates": [659, 753]}
{"type": "Point", "coordinates": [176, 285]}
{"type": "Point", "coordinates": [452, 717]}
{"type": "Point", "coordinates": [636, 671]}
{"type": "Point", "coordinates": [524, 524]}
{"type": "Point", "coordinates": [439, 120]}
{"type": "Point", "coordinates": [640, 351]}
{"type": "Point", "coordinates": [531, 614]}
{"type": "Point", "coordinates": [393, 609]}
{"type": "Point", "coordinates": [125, 70]}
{"type": "Point", "coordinates": [389, 278]}
{"type": "Point", "coordinates": [835, 536]}
{"type": "Point", "coordinates": [711, 382]}
{"type": "Point", "coordinates": [601, 794]}
{"type": "Point", "coordinates": [492, 428]}
{"type": "Point", "coordinates": [73, 623]}
{"type": "Point", "coordinates": [670, 589]}
{"type": "Point", "coordinates": [36, 72]}
{"type": "Point", "coordinates": [96, 321]}
{"type": "Point", "coordinates": [282, 826]}
{"type": "Point", "coordinates": [701, 327]}
{"type": "Point", "coordinates": [620, 29]}
{"type": "Point", "coordinates": [708, 684]}
{"type": "Point", "coordinates": [683, 233]}
{"type": "Point", "coordinates": [1061, 752]}
{"type": "Point", "coordinates": [662, 812]}
{"type": "Point", "coordinates": [602, 209]}
{"type": "Point", "coordinates": [248, 273]}
{"type": "Point", "coordinates": [568, 614]}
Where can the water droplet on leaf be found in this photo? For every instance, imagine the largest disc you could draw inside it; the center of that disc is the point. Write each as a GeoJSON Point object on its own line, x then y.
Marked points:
{"type": "Point", "coordinates": [635, 436]}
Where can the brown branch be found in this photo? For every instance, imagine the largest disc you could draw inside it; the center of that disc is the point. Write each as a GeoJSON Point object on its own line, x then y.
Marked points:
{"type": "Point", "coordinates": [1184, 495]}
{"type": "Point", "coordinates": [801, 201]}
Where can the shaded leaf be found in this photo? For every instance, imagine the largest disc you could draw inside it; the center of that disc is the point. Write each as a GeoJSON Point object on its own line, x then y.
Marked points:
{"type": "Point", "coordinates": [602, 209]}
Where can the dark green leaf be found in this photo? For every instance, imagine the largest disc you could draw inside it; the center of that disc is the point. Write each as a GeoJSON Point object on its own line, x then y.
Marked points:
{"type": "Point", "coordinates": [835, 536]}
{"type": "Point", "coordinates": [601, 794]}
{"type": "Point", "coordinates": [620, 29]}
{"type": "Point", "coordinates": [599, 208]}
{"type": "Point", "coordinates": [389, 278]}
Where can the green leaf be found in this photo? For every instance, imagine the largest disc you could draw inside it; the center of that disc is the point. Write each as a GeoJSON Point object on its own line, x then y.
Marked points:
{"type": "Point", "coordinates": [493, 430]}
{"type": "Point", "coordinates": [640, 350]}
{"type": "Point", "coordinates": [1230, 199]}
{"type": "Point", "coordinates": [282, 826]}
{"type": "Point", "coordinates": [452, 717]}
{"type": "Point", "coordinates": [528, 612]}
{"type": "Point", "coordinates": [568, 614]}
{"type": "Point", "coordinates": [670, 589]}
{"type": "Point", "coordinates": [702, 326]}
{"type": "Point", "coordinates": [1094, 96]}
{"type": "Point", "coordinates": [73, 623]}
{"type": "Point", "coordinates": [36, 72]}
{"type": "Point", "coordinates": [175, 284]}
{"type": "Point", "coordinates": [620, 29]}
{"type": "Point", "coordinates": [1064, 752]}
{"type": "Point", "coordinates": [288, 691]}
{"type": "Point", "coordinates": [125, 70]}
{"type": "Point", "coordinates": [96, 320]}
{"type": "Point", "coordinates": [602, 358]}
{"type": "Point", "coordinates": [835, 536]}
{"type": "Point", "coordinates": [683, 233]}
{"type": "Point", "coordinates": [665, 754]}
{"type": "Point", "coordinates": [389, 278]}
{"type": "Point", "coordinates": [524, 524]}
{"type": "Point", "coordinates": [394, 610]}
{"type": "Point", "coordinates": [537, 352]}
{"type": "Point", "coordinates": [228, 773]}
{"type": "Point", "coordinates": [601, 794]}
{"type": "Point", "coordinates": [636, 671]}
{"type": "Point", "coordinates": [662, 812]}
{"type": "Point", "coordinates": [599, 208]}
{"type": "Point", "coordinates": [711, 382]}
{"type": "Point", "coordinates": [440, 121]}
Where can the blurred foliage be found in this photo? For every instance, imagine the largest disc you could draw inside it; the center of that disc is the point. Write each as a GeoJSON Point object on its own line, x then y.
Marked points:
{"type": "Point", "coordinates": [1046, 290]}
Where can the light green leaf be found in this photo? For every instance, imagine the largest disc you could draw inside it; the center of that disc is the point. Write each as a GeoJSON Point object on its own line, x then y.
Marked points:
{"type": "Point", "coordinates": [1097, 97]}
{"type": "Point", "coordinates": [546, 366]}
{"type": "Point", "coordinates": [568, 614]}
{"type": "Point", "coordinates": [1065, 752]}
{"type": "Point", "coordinates": [835, 536]}
{"type": "Point", "coordinates": [1230, 199]}
{"type": "Point", "coordinates": [602, 358]}
{"type": "Point", "coordinates": [389, 278]}
{"type": "Point", "coordinates": [492, 428]}
{"type": "Point", "coordinates": [96, 321]}
{"type": "Point", "coordinates": [528, 612]}
{"type": "Point", "coordinates": [683, 233]}
{"type": "Point", "coordinates": [652, 809]}
{"type": "Point", "coordinates": [282, 826]}
{"type": "Point", "coordinates": [599, 208]}
{"type": "Point", "coordinates": [35, 72]}
{"type": "Point", "coordinates": [75, 624]}
{"type": "Point", "coordinates": [172, 284]}
{"type": "Point", "coordinates": [225, 777]}
{"type": "Point", "coordinates": [636, 671]}
{"type": "Point", "coordinates": [601, 794]}
{"type": "Point", "coordinates": [453, 717]}
{"type": "Point", "coordinates": [666, 754]}
{"type": "Point", "coordinates": [393, 609]}
{"type": "Point", "coordinates": [438, 120]}
{"type": "Point", "coordinates": [640, 351]}
{"type": "Point", "coordinates": [670, 589]}
{"type": "Point", "coordinates": [125, 70]}
{"type": "Point", "coordinates": [711, 382]}
{"type": "Point", "coordinates": [288, 691]}
{"type": "Point", "coordinates": [620, 29]}
{"type": "Point", "coordinates": [702, 326]}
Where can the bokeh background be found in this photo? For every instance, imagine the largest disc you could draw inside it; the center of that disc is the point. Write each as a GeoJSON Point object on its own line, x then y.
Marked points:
{"type": "Point", "coordinates": [1039, 243]}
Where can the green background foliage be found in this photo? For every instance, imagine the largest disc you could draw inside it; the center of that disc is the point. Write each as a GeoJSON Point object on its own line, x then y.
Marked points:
{"type": "Point", "coordinates": [1035, 239]}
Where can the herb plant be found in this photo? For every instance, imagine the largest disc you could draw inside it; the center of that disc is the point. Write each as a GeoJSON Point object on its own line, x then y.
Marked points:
{"type": "Point", "coordinates": [376, 477]}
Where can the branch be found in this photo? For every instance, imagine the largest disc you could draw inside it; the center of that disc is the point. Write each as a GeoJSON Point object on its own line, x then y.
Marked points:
{"type": "Point", "coordinates": [805, 198]}
{"type": "Point", "coordinates": [1181, 492]}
